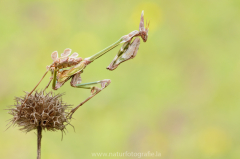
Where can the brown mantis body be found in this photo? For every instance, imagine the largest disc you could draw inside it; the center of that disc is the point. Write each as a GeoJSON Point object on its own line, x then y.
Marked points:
{"type": "Point", "coordinates": [60, 73]}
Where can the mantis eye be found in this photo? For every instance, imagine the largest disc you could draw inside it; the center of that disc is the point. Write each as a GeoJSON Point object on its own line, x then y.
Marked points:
{"type": "Point", "coordinates": [54, 55]}
{"type": "Point", "coordinates": [66, 52]}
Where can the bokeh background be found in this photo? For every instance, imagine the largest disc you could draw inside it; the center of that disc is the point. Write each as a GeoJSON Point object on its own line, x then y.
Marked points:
{"type": "Point", "coordinates": [179, 96]}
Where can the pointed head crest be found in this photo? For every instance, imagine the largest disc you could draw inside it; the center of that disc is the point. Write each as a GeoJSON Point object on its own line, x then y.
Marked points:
{"type": "Point", "coordinates": [143, 31]}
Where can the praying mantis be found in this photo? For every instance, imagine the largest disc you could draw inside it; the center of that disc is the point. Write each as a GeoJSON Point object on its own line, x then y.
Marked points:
{"type": "Point", "coordinates": [71, 67]}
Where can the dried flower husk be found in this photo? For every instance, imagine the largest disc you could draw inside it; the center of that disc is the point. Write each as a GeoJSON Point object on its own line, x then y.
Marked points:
{"type": "Point", "coordinates": [40, 109]}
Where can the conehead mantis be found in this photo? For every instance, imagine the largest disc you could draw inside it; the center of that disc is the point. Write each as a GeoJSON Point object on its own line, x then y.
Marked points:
{"type": "Point", "coordinates": [68, 67]}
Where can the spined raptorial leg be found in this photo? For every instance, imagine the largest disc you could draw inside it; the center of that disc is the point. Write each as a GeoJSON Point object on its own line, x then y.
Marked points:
{"type": "Point", "coordinates": [94, 91]}
{"type": "Point", "coordinates": [128, 51]}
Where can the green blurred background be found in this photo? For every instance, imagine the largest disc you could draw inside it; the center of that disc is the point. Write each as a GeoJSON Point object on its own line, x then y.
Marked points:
{"type": "Point", "coordinates": [179, 96]}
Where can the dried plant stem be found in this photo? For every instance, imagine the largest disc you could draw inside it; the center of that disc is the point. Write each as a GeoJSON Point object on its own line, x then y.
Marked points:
{"type": "Point", "coordinates": [39, 139]}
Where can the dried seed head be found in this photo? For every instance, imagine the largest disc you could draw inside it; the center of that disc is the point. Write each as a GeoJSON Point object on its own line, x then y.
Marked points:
{"type": "Point", "coordinates": [40, 109]}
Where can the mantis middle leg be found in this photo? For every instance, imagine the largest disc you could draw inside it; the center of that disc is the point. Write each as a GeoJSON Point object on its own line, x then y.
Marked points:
{"type": "Point", "coordinates": [76, 82]}
{"type": "Point", "coordinates": [94, 90]}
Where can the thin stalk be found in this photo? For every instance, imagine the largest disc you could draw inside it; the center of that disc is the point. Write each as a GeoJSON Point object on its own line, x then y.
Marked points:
{"type": "Point", "coordinates": [39, 139]}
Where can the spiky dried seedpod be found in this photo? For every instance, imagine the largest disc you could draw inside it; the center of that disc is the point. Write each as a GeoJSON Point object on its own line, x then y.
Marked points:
{"type": "Point", "coordinates": [41, 109]}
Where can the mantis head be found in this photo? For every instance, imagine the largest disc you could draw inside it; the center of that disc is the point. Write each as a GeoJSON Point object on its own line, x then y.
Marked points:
{"type": "Point", "coordinates": [143, 31]}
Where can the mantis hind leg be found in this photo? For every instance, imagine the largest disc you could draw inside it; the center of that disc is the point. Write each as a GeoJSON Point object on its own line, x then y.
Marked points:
{"type": "Point", "coordinates": [32, 91]}
{"type": "Point", "coordinates": [94, 90]}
